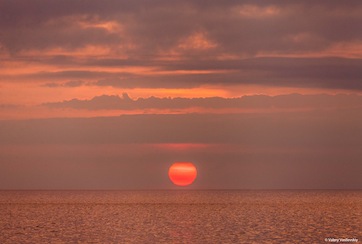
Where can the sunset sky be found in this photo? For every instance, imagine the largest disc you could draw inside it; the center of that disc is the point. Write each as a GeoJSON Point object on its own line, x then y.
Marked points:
{"type": "Point", "coordinates": [108, 94]}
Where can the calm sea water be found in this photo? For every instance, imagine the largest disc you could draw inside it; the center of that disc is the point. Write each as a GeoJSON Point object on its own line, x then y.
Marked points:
{"type": "Point", "coordinates": [179, 216]}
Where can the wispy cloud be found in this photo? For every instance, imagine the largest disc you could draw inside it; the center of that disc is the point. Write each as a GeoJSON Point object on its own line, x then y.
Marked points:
{"type": "Point", "coordinates": [72, 83]}
{"type": "Point", "coordinates": [291, 101]}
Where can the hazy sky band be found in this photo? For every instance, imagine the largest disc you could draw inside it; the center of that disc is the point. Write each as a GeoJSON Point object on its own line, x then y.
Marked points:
{"type": "Point", "coordinates": [301, 150]}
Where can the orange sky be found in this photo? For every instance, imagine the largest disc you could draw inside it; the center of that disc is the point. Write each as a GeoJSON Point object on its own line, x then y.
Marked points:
{"type": "Point", "coordinates": [108, 94]}
{"type": "Point", "coordinates": [229, 51]}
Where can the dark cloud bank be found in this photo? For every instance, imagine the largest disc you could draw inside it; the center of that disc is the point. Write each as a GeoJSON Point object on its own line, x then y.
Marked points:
{"type": "Point", "coordinates": [156, 34]}
{"type": "Point", "coordinates": [238, 26]}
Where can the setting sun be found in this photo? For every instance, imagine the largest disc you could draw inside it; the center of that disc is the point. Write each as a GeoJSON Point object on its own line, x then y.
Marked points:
{"type": "Point", "coordinates": [182, 173]}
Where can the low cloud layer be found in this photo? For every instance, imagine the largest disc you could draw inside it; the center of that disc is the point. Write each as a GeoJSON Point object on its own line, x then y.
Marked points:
{"type": "Point", "coordinates": [291, 101]}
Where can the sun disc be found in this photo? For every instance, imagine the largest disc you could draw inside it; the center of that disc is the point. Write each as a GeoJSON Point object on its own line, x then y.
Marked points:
{"type": "Point", "coordinates": [182, 173]}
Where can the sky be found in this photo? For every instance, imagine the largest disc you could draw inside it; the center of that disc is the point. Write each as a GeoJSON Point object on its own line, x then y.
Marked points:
{"type": "Point", "coordinates": [108, 94]}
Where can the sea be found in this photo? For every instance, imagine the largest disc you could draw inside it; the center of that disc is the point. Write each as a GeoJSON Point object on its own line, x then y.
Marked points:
{"type": "Point", "coordinates": [181, 216]}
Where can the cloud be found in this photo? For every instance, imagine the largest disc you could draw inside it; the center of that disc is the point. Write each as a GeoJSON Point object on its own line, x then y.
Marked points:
{"type": "Point", "coordinates": [237, 27]}
{"type": "Point", "coordinates": [186, 44]}
{"type": "Point", "coordinates": [4, 106]}
{"type": "Point", "coordinates": [291, 101]}
{"type": "Point", "coordinates": [72, 83]}
{"type": "Point", "coordinates": [327, 73]}
{"type": "Point", "coordinates": [73, 25]}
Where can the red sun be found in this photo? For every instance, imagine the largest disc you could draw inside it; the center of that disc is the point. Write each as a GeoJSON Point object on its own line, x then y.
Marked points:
{"type": "Point", "coordinates": [182, 173]}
